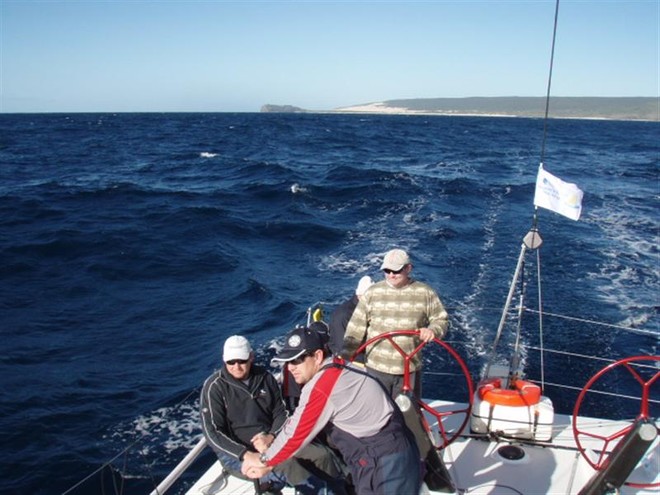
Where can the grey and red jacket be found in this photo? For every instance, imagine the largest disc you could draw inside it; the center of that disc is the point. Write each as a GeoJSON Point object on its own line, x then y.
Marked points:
{"type": "Point", "coordinates": [233, 412]}
{"type": "Point", "coordinates": [348, 405]}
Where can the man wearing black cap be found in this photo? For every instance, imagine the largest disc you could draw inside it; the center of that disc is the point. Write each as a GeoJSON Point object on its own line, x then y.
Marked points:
{"type": "Point", "coordinates": [353, 409]}
{"type": "Point", "coordinates": [290, 388]}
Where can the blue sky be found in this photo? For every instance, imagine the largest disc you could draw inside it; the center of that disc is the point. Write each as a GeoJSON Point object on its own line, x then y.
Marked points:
{"type": "Point", "coordinates": [123, 56]}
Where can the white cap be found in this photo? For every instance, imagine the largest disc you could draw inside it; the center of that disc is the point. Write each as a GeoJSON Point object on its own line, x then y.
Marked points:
{"type": "Point", "coordinates": [364, 283]}
{"type": "Point", "coordinates": [236, 347]}
{"type": "Point", "coordinates": [395, 260]}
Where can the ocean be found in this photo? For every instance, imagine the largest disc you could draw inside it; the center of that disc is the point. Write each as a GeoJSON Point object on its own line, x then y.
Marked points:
{"type": "Point", "coordinates": [134, 244]}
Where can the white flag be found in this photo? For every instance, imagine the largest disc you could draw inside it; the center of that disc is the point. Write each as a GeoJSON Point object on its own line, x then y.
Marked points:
{"type": "Point", "coordinates": [556, 195]}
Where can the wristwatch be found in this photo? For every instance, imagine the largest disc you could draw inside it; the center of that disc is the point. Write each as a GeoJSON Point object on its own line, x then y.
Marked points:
{"type": "Point", "coordinates": [263, 458]}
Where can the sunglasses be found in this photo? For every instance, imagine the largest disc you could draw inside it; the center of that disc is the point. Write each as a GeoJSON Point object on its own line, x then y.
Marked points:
{"type": "Point", "coordinates": [232, 362]}
{"type": "Point", "coordinates": [395, 272]}
{"type": "Point", "coordinates": [299, 359]}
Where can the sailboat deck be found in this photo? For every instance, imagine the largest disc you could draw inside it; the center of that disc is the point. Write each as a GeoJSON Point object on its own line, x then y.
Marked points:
{"type": "Point", "coordinates": [477, 467]}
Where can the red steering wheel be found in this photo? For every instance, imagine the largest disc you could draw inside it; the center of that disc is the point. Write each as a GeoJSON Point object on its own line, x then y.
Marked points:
{"type": "Point", "coordinates": [633, 365]}
{"type": "Point", "coordinates": [441, 415]}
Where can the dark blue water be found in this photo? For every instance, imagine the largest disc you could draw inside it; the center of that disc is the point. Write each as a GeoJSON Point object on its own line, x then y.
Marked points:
{"type": "Point", "coordinates": [133, 245]}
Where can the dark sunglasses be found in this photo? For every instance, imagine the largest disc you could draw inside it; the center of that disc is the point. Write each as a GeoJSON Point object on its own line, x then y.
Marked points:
{"type": "Point", "coordinates": [395, 272]}
{"type": "Point", "coordinates": [232, 362]}
{"type": "Point", "coordinates": [299, 359]}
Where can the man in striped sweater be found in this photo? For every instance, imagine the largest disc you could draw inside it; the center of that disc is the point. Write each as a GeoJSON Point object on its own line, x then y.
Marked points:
{"type": "Point", "coordinates": [397, 303]}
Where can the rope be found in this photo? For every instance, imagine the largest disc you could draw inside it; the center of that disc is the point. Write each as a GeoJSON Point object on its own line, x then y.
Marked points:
{"type": "Point", "coordinates": [514, 362]}
{"type": "Point", "coordinates": [593, 358]}
{"type": "Point", "coordinates": [600, 323]}
{"type": "Point", "coordinates": [540, 299]}
{"type": "Point", "coordinates": [124, 452]}
{"type": "Point", "coordinates": [542, 159]}
{"type": "Point", "coordinates": [603, 392]}
{"type": "Point", "coordinates": [97, 471]}
{"type": "Point", "coordinates": [547, 95]}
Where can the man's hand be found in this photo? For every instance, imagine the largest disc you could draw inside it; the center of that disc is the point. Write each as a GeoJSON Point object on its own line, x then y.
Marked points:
{"type": "Point", "coordinates": [252, 466]}
{"type": "Point", "coordinates": [261, 441]}
{"type": "Point", "coordinates": [426, 334]}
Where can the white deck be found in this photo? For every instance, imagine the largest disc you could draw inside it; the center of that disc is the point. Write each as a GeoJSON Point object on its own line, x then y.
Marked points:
{"type": "Point", "coordinates": [555, 467]}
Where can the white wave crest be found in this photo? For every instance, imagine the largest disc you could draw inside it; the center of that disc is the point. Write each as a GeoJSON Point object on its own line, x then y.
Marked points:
{"type": "Point", "coordinates": [167, 428]}
{"type": "Point", "coordinates": [297, 188]}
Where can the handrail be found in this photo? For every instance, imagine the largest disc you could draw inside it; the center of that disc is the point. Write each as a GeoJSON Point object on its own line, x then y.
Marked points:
{"type": "Point", "coordinates": [185, 463]}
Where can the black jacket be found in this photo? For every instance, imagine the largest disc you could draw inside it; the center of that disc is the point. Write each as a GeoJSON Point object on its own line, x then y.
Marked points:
{"type": "Point", "coordinates": [232, 412]}
{"type": "Point", "coordinates": [338, 321]}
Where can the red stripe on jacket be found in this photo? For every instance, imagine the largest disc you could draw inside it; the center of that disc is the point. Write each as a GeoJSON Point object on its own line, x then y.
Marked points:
{"type": "Point", "coordinates": [309, 415]}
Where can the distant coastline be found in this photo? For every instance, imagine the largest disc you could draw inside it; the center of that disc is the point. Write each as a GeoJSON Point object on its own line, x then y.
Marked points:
{"type": "Point", "coordinates": [604, 108]}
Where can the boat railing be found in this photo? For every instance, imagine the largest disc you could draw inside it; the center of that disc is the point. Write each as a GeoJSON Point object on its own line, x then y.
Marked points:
{"type": "Point", "coordinates": [180, 468]}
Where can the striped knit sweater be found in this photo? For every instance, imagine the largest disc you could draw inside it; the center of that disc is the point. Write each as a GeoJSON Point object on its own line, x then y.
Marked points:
{"type": "Point", "coordinates": [384, 309]}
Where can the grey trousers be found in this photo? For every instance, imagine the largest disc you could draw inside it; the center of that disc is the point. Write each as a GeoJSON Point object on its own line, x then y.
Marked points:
{"type": "Point", "coordinates": [394, 383]}
{"type": "Point", "coordinates": [315, 459]}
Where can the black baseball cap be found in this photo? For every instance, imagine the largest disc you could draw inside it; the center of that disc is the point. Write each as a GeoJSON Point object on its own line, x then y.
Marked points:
{"type": "Point", "coordinates": [299, 341]}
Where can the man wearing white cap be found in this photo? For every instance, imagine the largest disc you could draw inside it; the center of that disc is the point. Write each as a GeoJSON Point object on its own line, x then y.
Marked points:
{"type": "Point", "coordinates": [397, 303]}
{"type": "Point", "coordinates": [342, 314]}
{"type": "Point", "coordinates": [242, 411]}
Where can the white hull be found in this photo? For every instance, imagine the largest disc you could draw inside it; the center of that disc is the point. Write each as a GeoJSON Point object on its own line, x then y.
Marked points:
{"type": "Point", "coordinates": [555, 467]}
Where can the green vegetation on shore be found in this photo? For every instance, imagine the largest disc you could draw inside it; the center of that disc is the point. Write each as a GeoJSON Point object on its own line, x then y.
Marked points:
{"type": "Point", "coordinates": [611, 108]}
